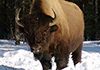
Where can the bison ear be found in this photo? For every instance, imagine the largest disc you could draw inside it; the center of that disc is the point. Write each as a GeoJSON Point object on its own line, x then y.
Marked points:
{"type": "Point", "coordinates": [54, 28]}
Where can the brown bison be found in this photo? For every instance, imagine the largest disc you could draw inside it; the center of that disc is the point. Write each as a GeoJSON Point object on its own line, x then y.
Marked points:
{"type": "Point", "coordinates": [54, 28]}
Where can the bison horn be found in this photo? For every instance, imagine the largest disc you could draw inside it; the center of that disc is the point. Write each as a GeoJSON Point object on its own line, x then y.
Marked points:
{"type": "Point", "coordinates": [17, 17]}
{"type": "Point", "coordinates": [54, 21]}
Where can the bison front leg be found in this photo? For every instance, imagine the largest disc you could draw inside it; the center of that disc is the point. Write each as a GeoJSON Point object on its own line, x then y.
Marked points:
{"type": "Point", "coordinates": [61, 61]}
{"type": "Point", "coordinates": [46, 64]}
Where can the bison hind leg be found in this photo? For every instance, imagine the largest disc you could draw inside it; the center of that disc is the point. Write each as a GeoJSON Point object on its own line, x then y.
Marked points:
{"type": "Point", "coordinates": [76, 55]}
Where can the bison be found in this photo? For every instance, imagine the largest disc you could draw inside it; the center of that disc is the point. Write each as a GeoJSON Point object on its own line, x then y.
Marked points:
{"type": "Point", "coordinates": [54, 28]}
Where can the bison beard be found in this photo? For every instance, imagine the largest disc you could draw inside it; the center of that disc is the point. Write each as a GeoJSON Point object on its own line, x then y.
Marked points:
{"type": "Point", "coordinates": [38, 56]}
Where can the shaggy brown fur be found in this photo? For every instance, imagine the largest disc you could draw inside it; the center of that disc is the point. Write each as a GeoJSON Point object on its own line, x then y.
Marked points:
{"type": "Point", "coordinates": [58, 40]}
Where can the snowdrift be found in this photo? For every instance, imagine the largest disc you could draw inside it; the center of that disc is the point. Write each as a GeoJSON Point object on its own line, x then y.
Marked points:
{"type": "Point", "coordinates": [19, 57]}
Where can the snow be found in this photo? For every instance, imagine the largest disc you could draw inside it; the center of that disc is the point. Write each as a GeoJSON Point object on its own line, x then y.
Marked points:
{"type": "Point", "coordinates": [19, 57]}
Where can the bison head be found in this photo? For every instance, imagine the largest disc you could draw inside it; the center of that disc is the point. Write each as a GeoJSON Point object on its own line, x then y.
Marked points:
{"type": "Point", "coordinates": [38, 28]}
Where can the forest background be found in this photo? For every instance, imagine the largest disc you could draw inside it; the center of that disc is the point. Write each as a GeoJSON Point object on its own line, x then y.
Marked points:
{"type": "Point", "coordinates": [8, 10]}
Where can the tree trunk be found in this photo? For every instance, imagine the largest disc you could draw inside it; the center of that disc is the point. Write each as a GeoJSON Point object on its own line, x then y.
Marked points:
{"type": "Point", "coordinates": [96, 19]}
{"type": "Point", "coordinates": [17, 32]}
{"type": "Point", "coordinates": [11, 30]}
{"type": "Point", "coordinates": [96, 11]}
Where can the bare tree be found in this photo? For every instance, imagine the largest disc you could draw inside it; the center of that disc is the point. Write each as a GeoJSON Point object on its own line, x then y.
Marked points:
{"type": "Point", "coordinates": [17, 31]}
{"type": "Point", "coordinates": [96, 19]}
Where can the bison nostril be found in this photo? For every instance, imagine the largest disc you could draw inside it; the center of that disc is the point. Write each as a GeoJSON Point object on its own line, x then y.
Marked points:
{"type": "Point", "coordinates": [33, 49]}
{"type": "Point", "coordinates": [39, 49]}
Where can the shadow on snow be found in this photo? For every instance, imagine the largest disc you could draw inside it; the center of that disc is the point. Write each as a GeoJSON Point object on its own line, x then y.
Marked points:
{"type": "Point", "coordinates": [91, 49]}
{"type": "Point", "coordinates": [2, 67]}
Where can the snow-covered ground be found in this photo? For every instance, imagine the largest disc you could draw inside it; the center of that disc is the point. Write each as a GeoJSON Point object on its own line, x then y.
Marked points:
{"type": "Point", "coordinates": [19, 57]}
